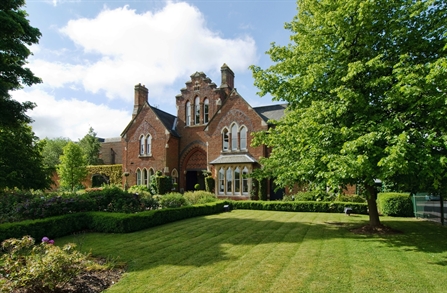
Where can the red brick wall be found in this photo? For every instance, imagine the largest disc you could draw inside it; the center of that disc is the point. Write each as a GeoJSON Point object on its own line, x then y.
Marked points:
{"type": "Point", "coordinates": [146, 122]}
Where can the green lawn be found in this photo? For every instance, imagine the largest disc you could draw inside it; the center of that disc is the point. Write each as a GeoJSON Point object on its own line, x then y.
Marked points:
{"type": "Point", "coordinates": [266, 251]}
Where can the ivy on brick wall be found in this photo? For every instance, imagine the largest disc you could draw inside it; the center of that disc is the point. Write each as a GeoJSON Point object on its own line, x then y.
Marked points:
{"type": "Point", "coordinates": [114, 172]}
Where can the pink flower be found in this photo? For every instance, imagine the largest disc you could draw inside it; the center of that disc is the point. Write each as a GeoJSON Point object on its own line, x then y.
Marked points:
{"type": "Point", "coordinates": [45, 239]}
{"type": "Point", "coordinates": [51, 242]}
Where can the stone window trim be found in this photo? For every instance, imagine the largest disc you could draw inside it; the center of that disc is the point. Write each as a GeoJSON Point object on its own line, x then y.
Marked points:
{"type": "Point", "coordinates": [230, 175]}
{"type": "Point", "coordinates": [234, 139]}
{"type": "Point", "coordinates": [188, 113]}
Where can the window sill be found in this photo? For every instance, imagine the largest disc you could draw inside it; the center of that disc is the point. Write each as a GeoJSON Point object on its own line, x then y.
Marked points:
{"type": "Point", "coordinates": [145, 156]}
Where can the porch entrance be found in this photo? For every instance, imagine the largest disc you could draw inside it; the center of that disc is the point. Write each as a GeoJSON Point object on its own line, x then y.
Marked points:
{"type": "Point", "coordinates": [194, 177]}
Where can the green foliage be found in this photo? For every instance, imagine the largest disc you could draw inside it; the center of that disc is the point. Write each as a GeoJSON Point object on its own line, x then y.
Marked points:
{"type": "Point", "coordinates": [52, 150]}
{"type": "Point", "coordinates": [72, 169]}
{"type": "Point", "coordinates": [171, 200]}
{"type": "Point", "coordinates": [91, 147]}
{"type": "Point", "coordinates": [300, 206]}
{"type": "Point", "coordinates": [199, 197]}
{"type": "Point", "coordinates": [16, 38]}
{"type": "Point", "coordinates": [262, 189]}
{"type": "Point", "coordinates": [396, 204]}
{"type": "Point", "coordinates": [39, 268]}
{"type": "Point", "coordinates": [105, 222]}
{"type": "Point", "coordinates": [210, 184]}
{"type": "Point", "coordinates": [21, 161]}
{"type": "Point", "coordinates": [365, 83]}
{"type": "Point", "coordinates": [113, 172]}
{"type": "Point", "coordinates": [197, 186]}
{"type": "Point", "coordinates": [164, 184]}
{"type": "Point", "coordinates": [138, 189]}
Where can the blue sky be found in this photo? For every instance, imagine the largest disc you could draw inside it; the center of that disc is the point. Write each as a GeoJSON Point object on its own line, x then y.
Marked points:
{"type": "Point", "coordinates": [92, 53]}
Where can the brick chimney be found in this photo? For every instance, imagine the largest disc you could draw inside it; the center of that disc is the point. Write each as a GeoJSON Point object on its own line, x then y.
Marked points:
{"type": "Point", "coordinates": [227, 77]}
{"type": "Point", "coordinates": [141, 98]}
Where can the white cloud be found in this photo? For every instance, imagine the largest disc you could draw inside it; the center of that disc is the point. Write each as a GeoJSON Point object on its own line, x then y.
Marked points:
{"type": "Point", "coordinates": [70, 117]}
{"type": "Point", "coordinates": [154, 48]}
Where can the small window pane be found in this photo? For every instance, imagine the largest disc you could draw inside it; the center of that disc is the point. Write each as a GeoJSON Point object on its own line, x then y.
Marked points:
{"type": "Point", "coordinates": [229, 179]}
{"type": "Point", "coordinates": [234, 137]}
{"type": "Point", "coordinates": [243, 138]}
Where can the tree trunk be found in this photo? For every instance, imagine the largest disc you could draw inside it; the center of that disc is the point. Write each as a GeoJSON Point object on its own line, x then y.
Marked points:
{"type": "Point", "coordinates": [371, 198]}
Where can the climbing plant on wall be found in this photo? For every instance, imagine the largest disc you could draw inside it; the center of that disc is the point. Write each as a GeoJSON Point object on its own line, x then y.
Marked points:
{"type": "Point", "coordinates": [113, 172]}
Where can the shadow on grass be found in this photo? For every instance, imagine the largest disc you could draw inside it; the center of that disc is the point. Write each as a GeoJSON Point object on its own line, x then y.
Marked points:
{"type": "Point", "coordinates": [205, 240]}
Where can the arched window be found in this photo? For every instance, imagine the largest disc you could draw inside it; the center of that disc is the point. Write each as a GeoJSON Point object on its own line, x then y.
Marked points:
{"type": "Point", "coordinates": [197, 111]}
{"type": "Point", "coordinates": [145, 177]}
{"type": "Point", "coordinates": [206, 111]}
{"type": "Point", "coordinates": [188, 114]}
{"type": "Point", "coordinates": [138, 177]}
{"type": "Point", "coordinates": [225, 140]}
{"type": "Point", "coordinates": [149, 144]}
{"type": "Point", "coordinates": [229, 178]}
{"type": "Point", "coordinates": [174, 176]}
{"type": "Point", "coordinates": [243, 134]}
{"type": "Point", "coordinates": [221, 181]}
{"type": "Point", "coordinates": [245, 180]}
{"type": "Point", "coordinates": [234, 140]}
{"type": "Point", "coordinates": [142, 143]}
{"type": "Point", "coordinates": [237, 181]}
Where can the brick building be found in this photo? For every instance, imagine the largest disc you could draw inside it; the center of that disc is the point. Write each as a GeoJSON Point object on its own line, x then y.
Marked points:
{"type": "Point", "coordinates": [210, 132]}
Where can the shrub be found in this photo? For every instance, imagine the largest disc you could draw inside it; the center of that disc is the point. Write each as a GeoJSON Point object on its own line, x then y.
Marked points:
{"type": "Point", "coordinates": [39, 268]}
{"type": "Point", "coordinates": [171, 200]}
{"type": "Point", "coordinates": [210, 183]}
{"type": "Point", "coordinates": [148, 201]}
{"type": "Point", "coordinates": [350, 198]}
{"type": "Point", "coordinates": [199, 197]}
{"type": "Point", "coordinates": [396, 204]}
{"type": "Point", "coordinates": [307, 196]}
{"type": "Point", "coordinates": [300, 206]}
{"type": "Point", "coordinates": [164, 184]}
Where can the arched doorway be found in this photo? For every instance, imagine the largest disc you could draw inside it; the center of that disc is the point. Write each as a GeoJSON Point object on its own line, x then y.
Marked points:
{"type": "Point", "coordinates": [99, 180]}
{"type": "Point", "coordinates": [195, 164]}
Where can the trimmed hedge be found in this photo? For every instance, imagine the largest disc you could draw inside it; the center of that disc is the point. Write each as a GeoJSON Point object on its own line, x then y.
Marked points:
{"type": "Point", "coordinates": [105, 222]}
{"type": "Point", "coordinates": [395, 204]}
{"type": "Point", "coordinates": [51, 227]}
{"type": "Point", "coordinates": [59, 226]}
{"type": "Point", "coordinates": [301, 206]}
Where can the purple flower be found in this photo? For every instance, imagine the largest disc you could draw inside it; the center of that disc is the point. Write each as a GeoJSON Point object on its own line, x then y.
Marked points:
{"type": "Point", "coordinates": [45, 239]}
{"type": "Point", "coordinates": [51, 242]}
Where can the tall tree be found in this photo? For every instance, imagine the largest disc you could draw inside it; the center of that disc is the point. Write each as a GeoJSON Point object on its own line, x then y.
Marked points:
{"type": "Point", "coordinates": [16, 35]}
{"type": "Point", "coordinates": [366, 83]}
{"type": "Point", "coordinates": [91, 147]}
{"type": "Point", "coordinates": [73, 167]}
{"type": "Point", "coordinates": [52, 150]}
{"type": "Point", "coordinates": [21, 164]}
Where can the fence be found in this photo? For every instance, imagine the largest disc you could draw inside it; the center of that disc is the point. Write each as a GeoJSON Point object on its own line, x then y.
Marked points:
{"type": "Point", "coordinates": [428, 206]}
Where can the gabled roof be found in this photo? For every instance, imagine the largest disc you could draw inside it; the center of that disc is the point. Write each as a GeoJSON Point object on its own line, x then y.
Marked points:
{"type": "Point", "coordinates": [169, 121]}
{"type": "Point", "coordinates": [271, 112]}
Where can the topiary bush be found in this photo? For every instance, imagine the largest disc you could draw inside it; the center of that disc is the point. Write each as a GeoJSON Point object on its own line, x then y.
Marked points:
{"type": "Point", "coordinates": [395, 204]}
